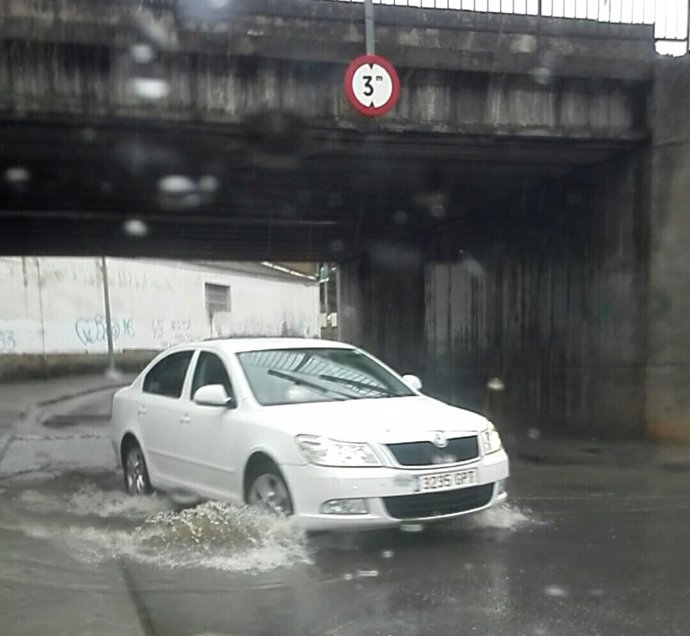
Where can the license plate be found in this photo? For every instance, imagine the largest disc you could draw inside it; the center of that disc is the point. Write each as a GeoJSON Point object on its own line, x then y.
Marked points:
{"type": "Point", "coordinates": [447, 481]}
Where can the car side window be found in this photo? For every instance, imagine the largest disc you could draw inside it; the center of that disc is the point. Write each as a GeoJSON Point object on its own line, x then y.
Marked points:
{"type": "Point", "coordinates": [210, 370]}
{"type": "Point", "coordinates": [167, 377]}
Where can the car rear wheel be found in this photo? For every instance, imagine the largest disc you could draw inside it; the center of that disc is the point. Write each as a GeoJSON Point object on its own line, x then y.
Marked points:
{"type": "Point", "coordinates": [136, 475]}
{"type": "Point", "coordinates": [267, 490]}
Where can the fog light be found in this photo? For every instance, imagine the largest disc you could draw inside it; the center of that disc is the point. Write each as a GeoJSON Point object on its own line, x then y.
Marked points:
{"type": "Point", "coordinates": [345, 507]}
{"type": "Point", "coordinates": [500, 487]}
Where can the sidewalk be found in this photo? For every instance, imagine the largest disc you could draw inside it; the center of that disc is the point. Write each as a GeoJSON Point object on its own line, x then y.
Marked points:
{"type": "Point", "coordinates": [565, 452]}
{"type": "Point", "coordinates": [18, 399]}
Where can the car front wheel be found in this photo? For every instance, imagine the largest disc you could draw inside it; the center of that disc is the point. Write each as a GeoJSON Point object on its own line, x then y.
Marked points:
{"type": "Point", "coordinates": [268, 490]}
{"type": "Point", "coordinates": [136, 475]}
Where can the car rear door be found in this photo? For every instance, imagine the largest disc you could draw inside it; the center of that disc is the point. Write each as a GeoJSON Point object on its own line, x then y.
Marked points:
{"type": "Point", "coordinates": [210, 433]}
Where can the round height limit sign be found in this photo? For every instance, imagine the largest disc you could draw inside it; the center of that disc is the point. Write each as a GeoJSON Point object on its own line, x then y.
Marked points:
{"type": "Point", "coordinates": [372, 85]}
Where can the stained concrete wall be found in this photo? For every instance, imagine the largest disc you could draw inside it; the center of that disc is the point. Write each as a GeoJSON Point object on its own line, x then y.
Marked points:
{"type": "Point", "coordinates": [382, 305]}
{"type": "Point", "coordinates": [668, 373]}
{"type": "Point", "coordinates": [460, 71]}
{"type": "Point", "coordinates": [53, 307]}
{"type": "Point", "coordinates": [547, 292]}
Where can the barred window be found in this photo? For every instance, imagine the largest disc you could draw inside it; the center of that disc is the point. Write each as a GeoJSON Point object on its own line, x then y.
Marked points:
{"type": "Point", "coordinates": [217, 299]}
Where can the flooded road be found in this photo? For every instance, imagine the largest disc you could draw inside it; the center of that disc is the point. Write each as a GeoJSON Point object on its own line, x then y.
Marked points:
{"type": "Point", "coordinates": [580, 549]}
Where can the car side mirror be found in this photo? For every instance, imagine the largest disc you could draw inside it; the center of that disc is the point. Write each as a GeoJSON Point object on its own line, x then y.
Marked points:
{"type": "Point", "coordinates": [413, 382]}
{"type": "Point", "coordinates": [213, 395]}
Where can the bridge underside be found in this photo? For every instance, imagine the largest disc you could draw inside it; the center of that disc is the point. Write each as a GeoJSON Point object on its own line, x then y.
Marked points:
{"type": "Point", "coordinates": [271, 188]}
{"type": "Point", "coordinates": [462, 257]}
{"type": "Point", "coordinates": [509, 218]}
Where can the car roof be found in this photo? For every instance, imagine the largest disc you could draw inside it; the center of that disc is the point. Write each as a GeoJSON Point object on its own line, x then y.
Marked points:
{"type": "Point", "coordinates": [238, 345]}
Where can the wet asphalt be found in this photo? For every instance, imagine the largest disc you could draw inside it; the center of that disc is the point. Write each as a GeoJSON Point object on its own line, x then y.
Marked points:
{"type": "Point", "coordinates": [581, 549]}
{"type": "Point", "coordinates": [602, 554]}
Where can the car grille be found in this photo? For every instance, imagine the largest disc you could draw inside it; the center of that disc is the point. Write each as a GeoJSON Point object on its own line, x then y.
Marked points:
{"type": "Point", "coordinates": [436, 504]}
{"type": "Point", "coordinates": [459, 449]}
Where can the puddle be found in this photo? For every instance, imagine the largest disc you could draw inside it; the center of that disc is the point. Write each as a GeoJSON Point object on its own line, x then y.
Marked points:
{"type": "Point", "coordinates": [96, 522]}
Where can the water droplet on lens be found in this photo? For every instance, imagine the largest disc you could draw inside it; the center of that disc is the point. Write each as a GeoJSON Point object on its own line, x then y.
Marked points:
{"type": "Point", "coordinates": [367, 574]}
{"type": "Point", "coordinates": [337, 245]}
{"type": "Point", "coordinates": [524, 44]}
{"type": "Point", "coordinates": [142, 53]}
{"type": "Point", "coordinates": [335, 199]}
{"type": "Point", "coordinates": [136, 227]}
{"type": "Point", "coordinates": [88, 135]}
{"type": "Point", "coordinates": [17, 175]}
{"type": "Point", "coordinates": [533, 433]}
{"type": "Point", "coordinates": [555, 590]}
{"type": "Point", "coordinates": [542, 75]}
{"type": "Point", "coordinates": [176, 184]}
{"type": "Point", "coordinates": [438, 211]}
{"type": "Point", "coordinates": [209, 183]}
{"type": "Point", "coordinates": [400, 217]}
{"type": "Point", "coordinates": [496, 384]}
{"type": "Point", "coordinates": [152, 88]}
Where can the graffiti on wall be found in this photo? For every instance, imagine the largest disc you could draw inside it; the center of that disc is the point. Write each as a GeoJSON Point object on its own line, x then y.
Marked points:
{"type": "Point", "coordinates": [168, 333]}
{"type": "Point", "coordinates": [93, 330]}
{"type": "Point", "coordinates": [8, 342]}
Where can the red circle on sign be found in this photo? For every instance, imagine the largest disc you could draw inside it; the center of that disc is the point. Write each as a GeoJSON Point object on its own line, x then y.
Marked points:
{"type": "Point", "coordinates": [355, 65]}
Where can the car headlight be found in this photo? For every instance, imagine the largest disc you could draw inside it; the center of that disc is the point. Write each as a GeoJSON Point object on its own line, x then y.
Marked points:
{"type": "Point", "coordinates": [491, 440]}
{"type": "Point", "coordinates": [329, 452]}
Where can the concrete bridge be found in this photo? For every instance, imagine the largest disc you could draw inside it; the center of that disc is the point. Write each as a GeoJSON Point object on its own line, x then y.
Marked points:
{"type": "Point", "coordinates": [518, 214]}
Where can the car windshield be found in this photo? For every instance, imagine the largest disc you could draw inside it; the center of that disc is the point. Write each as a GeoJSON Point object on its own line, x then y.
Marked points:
{"type": "Point", "coordinates": [291, 376]}
{"type": "Point", "coordinates": [315, 206]}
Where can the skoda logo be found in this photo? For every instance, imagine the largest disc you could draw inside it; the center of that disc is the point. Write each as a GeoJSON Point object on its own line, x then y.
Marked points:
{"type": "Point", "coordinates": [440, 440]}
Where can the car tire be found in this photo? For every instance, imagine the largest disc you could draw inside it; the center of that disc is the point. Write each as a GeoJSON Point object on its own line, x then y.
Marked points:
{"type": "Point", "coordinates": [267, 489]}
{"type": "Point", "coordinates": [136, 475]}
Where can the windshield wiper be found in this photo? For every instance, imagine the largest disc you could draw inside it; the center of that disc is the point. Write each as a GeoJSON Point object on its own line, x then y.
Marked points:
{"type": "Point", "coordinates": [311, 385]}
{"type": "Point", "coordinates": [360, 385]}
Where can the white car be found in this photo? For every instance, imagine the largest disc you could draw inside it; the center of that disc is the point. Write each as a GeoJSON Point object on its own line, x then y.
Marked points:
{"type": "Point", "coordinates": [316, 429]}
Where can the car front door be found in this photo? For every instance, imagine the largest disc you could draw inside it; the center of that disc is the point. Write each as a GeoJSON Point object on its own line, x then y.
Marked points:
{"type": "Point", "coordinates": [159, 411]}
{"type": "Point", "coordinates": [210, 433]}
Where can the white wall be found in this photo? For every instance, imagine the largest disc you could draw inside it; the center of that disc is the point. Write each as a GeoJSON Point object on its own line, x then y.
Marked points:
{"type": "Point", "coordinates": [55, 305]}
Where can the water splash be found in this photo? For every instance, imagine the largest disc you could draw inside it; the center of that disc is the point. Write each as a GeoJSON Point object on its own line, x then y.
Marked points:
{"type": "Point", "coordinates": [91, 501]}
{"type": "Point", "coordinates": [212, 535]}
{"type": "Point", "coordinates": [504, 517]}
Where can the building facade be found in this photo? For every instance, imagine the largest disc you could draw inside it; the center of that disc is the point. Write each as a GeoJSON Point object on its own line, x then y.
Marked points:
{"type": "Point", "coordinates": [53, 309]}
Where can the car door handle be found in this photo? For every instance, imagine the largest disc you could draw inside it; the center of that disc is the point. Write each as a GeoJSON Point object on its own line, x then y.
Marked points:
{"type": "Point", "coordinates": [185, 419]}
{"type": "Point", "coordinates": [142, 410]}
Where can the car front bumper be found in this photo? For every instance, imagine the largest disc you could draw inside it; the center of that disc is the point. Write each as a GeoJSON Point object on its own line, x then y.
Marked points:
{"type": "Point", "coordinates": [311, 486]}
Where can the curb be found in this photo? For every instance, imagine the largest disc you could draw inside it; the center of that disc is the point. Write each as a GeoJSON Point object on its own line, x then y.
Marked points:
{"type": "Point", "coordinates": [5, 441]}
{"type": "Point", "coordinates": [69, 396]}
{"type": "Point", "coordinates": [652, 456]}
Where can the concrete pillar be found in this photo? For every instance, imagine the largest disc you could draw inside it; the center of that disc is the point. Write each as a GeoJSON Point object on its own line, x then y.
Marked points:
{"type": "Point", "coordinates": [668, 363]}
{"type": "Point", "coordinates": [352, 309]}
